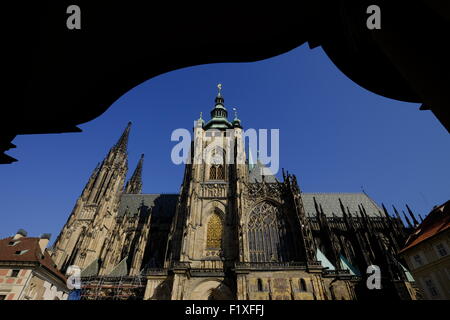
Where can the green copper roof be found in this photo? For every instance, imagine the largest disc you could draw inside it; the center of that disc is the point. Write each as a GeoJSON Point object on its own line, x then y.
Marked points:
{"type": "Point", "coordinates": [219, 115]}
{"type": "Point", "coordinates": [201, 118]}
{"type": "Point", "coordinates": [347, 266]}
{"type": "Point", "coordinates": [324, 260]}
{"type": "Point", "coordinates": [218, 123]}
{"type": "Point", "coordinates": [409, 277]}
{"type": "Point", "coordinates": [236, 121]}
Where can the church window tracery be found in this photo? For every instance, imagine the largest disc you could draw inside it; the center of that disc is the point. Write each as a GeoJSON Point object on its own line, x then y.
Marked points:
{"type": "Point", "coordinates": [214, 232]}
{"type": "Point", "coordinates": [217, 168]}
{"type": "Point", "coordinates": [270, 239]}
{"type": "Point", "coordinates": [212, 173]}
{"type": "Point", "coordinates": [220, 172]}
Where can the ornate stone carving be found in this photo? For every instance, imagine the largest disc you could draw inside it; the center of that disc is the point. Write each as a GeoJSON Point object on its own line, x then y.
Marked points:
{"type": "Point", "coordinates": [214, 190]}
{"type": "Point", "coordinates": [262, 190]}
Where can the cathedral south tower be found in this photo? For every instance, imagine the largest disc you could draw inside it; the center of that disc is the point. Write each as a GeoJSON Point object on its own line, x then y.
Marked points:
{"type": "Point", "coordinates": [205, 232]}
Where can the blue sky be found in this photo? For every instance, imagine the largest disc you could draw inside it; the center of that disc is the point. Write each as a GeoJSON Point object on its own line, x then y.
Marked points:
{"type": "Point", "coordinates": [334, 135]}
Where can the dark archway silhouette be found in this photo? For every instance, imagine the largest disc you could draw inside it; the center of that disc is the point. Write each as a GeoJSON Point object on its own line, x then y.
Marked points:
{"type": "Point", "coordinates": [59, 78]}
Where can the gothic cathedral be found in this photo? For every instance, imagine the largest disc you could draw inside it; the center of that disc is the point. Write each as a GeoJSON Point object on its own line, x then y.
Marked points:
{"type": "Point", "coordinates": [232, 232]}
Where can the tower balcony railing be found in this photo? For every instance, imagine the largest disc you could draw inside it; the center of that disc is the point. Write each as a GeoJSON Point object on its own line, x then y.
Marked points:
{"type": "Point", "coordinates": [219, 272]}
{"type": "Point", "coordinates": [315, 264]}
{"type": "Point", "coordinates": [181, 265]}
{"type": "Point", "coordinates": [337, 272]}
{"type": "Point", "coordinates": [270, 265]}
{"type": "Point", "coordinates": [341, 273]}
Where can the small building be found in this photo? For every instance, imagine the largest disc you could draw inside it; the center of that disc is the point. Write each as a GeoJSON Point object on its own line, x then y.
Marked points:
{"type": "Point", "coordinates": [427, 253]}
{"type": "Point", "coordinates": [27, 272]}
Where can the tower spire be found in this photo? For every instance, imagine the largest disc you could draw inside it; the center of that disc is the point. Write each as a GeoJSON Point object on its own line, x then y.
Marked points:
{"type": "Point", "coordinates": [219, 115]}
{"type": "Point", "coordinates": [411, 214]}
{"type": "Point", "coordinates": [251, 162]}
{"type": "Point", "coordinates": [396, 213]}
{"type": "Point", "coordinates": [122, 143]}
{"type": "Point", "coordinates": [385, 211]}
{"type": "Point", "coordinates": [219, 99]}
{"type": "Point", "coordinates": [407, 220]}
{"type": "Point", "coordinates": [134, 185]}
{"type": "Point", "coordinates": [236, 121]}
{"type": "Point", "coordinates": [102, 192]}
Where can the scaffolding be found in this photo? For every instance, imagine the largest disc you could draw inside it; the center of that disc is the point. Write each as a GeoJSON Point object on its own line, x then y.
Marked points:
{"type": "Point", "coordinates": [112, 288]}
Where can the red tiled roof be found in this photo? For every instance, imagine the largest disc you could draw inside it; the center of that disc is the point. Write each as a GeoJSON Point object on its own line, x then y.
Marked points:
{"type": "Point", "coordinates": [437, 221]}
{"type": "Point", "coordinates": [34, 254]}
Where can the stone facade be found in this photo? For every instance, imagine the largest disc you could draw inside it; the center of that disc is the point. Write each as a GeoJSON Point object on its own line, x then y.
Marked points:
{"type": "Point", "coordinates": [232, 232]}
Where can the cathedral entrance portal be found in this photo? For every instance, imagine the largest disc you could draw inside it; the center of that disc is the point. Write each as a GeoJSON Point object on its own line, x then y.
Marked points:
{"type": "Point", "coordinates": [211, 290]}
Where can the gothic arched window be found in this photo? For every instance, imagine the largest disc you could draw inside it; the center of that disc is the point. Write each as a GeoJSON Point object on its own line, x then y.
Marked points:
{"type": "Point", "coordinates": [220, 172]}
{"type": "Point", "coordinates": [214, 232]}
{"type": "Point", "coordinates": [269, 236]}
{"type": "Point", "coordinates": [212, 173]}
{"type": "Point", "coordinates": [217, 172]}
{"type": "Point", "coordinates": [216, 162]}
